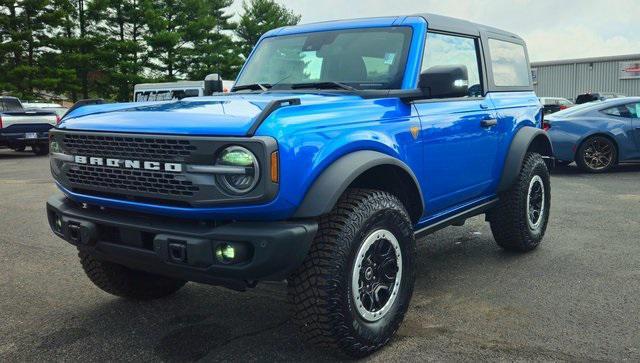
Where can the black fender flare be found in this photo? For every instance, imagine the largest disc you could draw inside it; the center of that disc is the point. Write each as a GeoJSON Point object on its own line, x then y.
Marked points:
{"type": "Point", "coordinates": [325, 191]}
{"type": "Point", "coordinates": [527, 138]}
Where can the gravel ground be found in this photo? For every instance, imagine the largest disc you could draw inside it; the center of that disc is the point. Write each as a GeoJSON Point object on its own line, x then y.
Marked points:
{"type": "Point", "coordinates": [574, 298]}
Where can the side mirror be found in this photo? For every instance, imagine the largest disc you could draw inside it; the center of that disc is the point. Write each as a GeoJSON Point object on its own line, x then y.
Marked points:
{"type": "Point", "coordinates": [212, 84]}
{"type": "Point", "coordinates": [445, 81]}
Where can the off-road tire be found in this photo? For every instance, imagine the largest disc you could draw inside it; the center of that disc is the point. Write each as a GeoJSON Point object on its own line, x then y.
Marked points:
{"type": "Point", "coordinates": [40, 149]}
{"type": "Point", "coordinates": [320, 290]}
{"type": "Point", "coordinates": [509, 219]}
{"type": "Point", "coordinates": [580, 155]}
{"type": "Point", "coordinates": [127, 283]}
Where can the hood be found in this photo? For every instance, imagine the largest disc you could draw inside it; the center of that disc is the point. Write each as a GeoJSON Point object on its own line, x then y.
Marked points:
{"type": "Point", "coordinates": [231, 115]}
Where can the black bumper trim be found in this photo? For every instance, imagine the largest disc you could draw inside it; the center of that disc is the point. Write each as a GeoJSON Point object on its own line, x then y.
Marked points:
{"type": "Point", "coordinates": [141, 241]}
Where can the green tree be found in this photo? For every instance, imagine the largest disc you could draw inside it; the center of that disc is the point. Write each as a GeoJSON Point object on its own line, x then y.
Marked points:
{"type": "Point", "coordinates": [89, 48]}
{"type": "Point", "coordinates": [25, 28]}
{"type": "Point", "coordinates": [121, 55]}
{"type": "Point", "coordinates": [190, 38]}
{"type": "Point", "coordinates": [75, 57]}
{"type": "Point", "coordinates": [213, 50]}
{"type": "Point", "coordinates": [260, 16]}
{"type": "Point", "coordinates": [168, 22]}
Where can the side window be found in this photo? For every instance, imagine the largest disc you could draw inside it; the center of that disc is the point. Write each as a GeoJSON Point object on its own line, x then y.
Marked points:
{"type": "Point", "coordinates": [509, 64]}
{"type": "Point", "coordinates": [443, 50]}
{"type": "Point", "coordinates": [626, 111]}
{"type": "Point", "coordinates": [613, 111]}
{"type": "Point", "coordinates": [634, 110]}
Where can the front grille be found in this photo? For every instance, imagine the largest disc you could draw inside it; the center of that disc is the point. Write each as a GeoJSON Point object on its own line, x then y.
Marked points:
{"type": "Point", "coordinates": [135, 182]}
{"type": "Point", "coordinates": [139, 148]}
{"type": "Point", "coordinates": [167, 184]}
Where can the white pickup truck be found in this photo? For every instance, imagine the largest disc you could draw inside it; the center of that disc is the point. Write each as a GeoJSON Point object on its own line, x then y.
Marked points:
{"type": "Point", "coordinates": [20, 128]}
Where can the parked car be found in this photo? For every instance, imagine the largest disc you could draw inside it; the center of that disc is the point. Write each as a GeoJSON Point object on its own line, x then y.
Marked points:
{"type": "Point", "coordinates": [20, 128]}
{"type": "Point", "coordinates": [42, 106]}
{"type": "Point", "coordinates": [554, 104]}
{"type": "Point", "coordinates": [597, 135]}
{"type": "Point", "coordinates": [596, 96]}
{"type": "Point", "coordinates": [339, 145]}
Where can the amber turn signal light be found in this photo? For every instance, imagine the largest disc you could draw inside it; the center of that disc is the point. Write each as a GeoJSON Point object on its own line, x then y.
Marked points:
{"type": "Point", "coordinates": [275, 172]}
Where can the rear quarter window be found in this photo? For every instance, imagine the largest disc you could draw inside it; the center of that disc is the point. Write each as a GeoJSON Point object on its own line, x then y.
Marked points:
{"type": "Point", "coordinates": [626, 111]}
{"type": "Point", "coordinates": [509, 64]}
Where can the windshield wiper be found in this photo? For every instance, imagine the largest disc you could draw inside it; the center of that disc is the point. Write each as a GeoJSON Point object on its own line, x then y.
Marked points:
{"type": "Point", "coordinates": [253, 86]}
{"type": "Point", "coordinates": [321, 85]}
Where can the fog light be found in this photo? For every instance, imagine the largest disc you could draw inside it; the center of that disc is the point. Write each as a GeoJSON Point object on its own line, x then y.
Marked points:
{"type": "Point", "coordinates": [58, 223]}
{"type": "Point", "coordinates": [54, 147]}
{"type": "Point", "coordinates": [225, 253]}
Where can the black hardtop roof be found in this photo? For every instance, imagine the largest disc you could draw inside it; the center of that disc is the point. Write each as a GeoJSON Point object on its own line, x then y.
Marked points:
{"type": "Point", "coordinates": [443, 23]}
{"type": "Point", "coordinates": [455, 25]}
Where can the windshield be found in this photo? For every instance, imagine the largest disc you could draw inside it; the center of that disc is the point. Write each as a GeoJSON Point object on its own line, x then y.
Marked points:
{"type": "Point", "coordinates": [372, 58]}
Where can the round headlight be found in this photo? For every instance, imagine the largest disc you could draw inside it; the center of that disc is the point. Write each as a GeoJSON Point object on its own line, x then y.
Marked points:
{"type": "Point", "coordinates": [244, 171]}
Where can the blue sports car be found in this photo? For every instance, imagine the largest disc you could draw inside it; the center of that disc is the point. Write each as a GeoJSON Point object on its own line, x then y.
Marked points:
{"type": "Point", "coordinates": [596, 135]}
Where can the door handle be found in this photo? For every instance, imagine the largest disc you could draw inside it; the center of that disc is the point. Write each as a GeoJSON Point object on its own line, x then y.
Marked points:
{"type": "Point", "coordinates": [484, 106]}
{"type": "Point", "coordinates": [489, 122]}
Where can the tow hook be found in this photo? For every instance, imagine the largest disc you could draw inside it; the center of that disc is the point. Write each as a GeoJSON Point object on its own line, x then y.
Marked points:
{"type": "Point", "coordinates": [75, 233]}
{"type": "Point", "coordinates": [178, 252]}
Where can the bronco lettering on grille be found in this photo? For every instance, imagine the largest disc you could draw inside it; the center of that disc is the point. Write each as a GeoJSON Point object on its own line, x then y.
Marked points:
{"type": "Point", "coordinates": [128, 164]}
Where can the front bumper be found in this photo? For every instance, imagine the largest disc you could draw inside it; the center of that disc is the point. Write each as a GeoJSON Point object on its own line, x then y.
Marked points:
{"type": "Point", "coordinates": [147, 242]}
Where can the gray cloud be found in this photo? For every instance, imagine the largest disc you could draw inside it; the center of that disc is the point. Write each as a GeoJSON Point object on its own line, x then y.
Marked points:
{"type": "Point", "coordinates": [553, 29]}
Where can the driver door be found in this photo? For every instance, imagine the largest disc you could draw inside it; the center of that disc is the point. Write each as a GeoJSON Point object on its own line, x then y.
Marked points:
{"type": "Point", "coordinates": [460, 135]}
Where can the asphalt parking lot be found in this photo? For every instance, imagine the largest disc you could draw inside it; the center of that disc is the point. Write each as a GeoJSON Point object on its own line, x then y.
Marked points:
{"type": "Point", "coordinates": [575, 298]}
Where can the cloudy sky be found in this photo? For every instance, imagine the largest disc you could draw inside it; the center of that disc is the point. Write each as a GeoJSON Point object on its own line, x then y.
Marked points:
{"type": "Point", "coordinates": [553, 29]}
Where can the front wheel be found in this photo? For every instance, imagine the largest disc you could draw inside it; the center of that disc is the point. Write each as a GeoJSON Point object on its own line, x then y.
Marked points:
{"type": "Point", "coordinates": [519, 221]}
{"type": "Point", "coordinates": [122, 281]}
{"type": "Point", "coordinates": [354, 287]}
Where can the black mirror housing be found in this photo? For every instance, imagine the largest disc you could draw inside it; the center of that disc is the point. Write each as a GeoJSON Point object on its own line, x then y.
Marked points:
{"type": "Point", "coordinates": [212, 84]}
{"type": "Point", "coordinates": [448, 81]}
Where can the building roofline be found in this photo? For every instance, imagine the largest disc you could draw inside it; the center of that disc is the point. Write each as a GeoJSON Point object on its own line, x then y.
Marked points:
{"type": "Point", "coordinates": [587, 60]}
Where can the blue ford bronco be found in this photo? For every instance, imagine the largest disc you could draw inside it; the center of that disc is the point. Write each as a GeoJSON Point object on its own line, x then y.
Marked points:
{"type": "Point", "coordinates": [340, 144]}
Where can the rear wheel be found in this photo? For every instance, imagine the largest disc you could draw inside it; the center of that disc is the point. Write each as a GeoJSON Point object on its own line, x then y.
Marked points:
{"type": "Point", "coordinates": [125, 282]}
{"type": "Point", "coordinates": [354, 287]}
{"type": "Point", "coordinates": [519, 221]}
{"type": "Point", "coordinates": [597, 154]}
